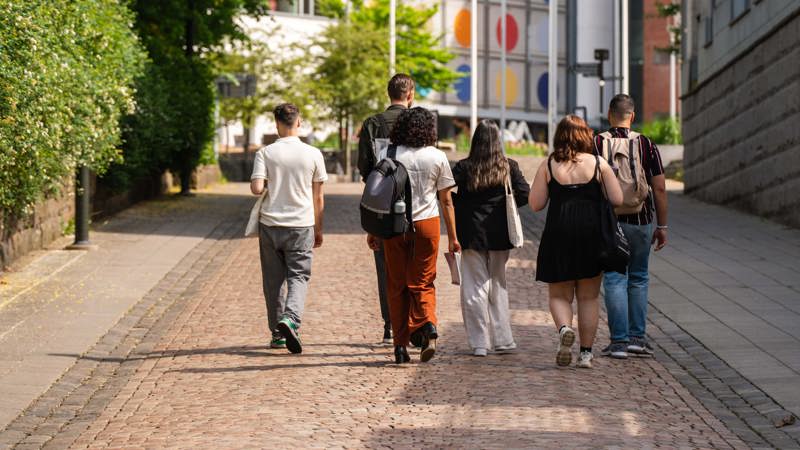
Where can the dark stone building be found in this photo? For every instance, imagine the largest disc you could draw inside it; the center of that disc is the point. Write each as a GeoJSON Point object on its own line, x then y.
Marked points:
{"type": "Point", "coordinates": [741, 105]}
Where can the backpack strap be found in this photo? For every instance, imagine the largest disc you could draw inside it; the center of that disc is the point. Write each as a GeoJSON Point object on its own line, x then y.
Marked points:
{"type": "Point", "coordinates": [408, 203]}
{"type": "Point", "coordinates": [391, 153]}
{"type": "Point", "coordinates": [632, 163]}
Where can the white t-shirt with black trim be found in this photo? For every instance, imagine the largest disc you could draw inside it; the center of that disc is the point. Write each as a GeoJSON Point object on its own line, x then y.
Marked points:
{"type": "Point", "coordinates": [429, 172]}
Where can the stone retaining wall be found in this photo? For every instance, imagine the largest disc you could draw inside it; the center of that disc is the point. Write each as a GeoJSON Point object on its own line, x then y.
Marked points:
{"type": "Point", "coordinates": [741, 138]}
{"type": "Point", "coordinates": [51, 216]}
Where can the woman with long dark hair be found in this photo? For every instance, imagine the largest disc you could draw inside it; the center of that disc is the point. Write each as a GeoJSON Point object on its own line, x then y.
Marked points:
{"type": "Point", "coordinates": [411, 258]}
{"type": "Point", "coordinates": [482, 228]}
{"type": "Point", "coordinates": [573, 180]}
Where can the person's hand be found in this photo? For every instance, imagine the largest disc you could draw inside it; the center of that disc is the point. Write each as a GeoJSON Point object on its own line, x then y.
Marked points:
{"type": "Point", "coordinates": [373, 242]}
{"type": "Point", "coordinates": [317, 238]}
{"type": "Point", "coordinates": [454, 246]}
{"type": "Point", "coordinates": [659, 238]}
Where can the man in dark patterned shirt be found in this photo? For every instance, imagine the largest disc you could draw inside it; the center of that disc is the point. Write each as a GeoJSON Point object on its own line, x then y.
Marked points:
{"type": "Point", "coordinates": [626, 295]}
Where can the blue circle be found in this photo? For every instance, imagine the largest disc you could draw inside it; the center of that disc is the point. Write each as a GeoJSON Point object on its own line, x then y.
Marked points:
{"type": "Point", "coordinates": [462, 86]}
{"type": "Point", "coordinates": [541, 90]}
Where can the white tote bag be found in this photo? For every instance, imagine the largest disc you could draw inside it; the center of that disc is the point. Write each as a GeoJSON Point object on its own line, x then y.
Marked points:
{"type": "Point", "coordinates": [255, 215]}
{"type": "Point", "coordinates": [512, 216]}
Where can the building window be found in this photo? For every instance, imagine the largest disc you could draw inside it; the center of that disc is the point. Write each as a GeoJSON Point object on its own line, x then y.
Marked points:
{"type": "Point", "coordinates": [660, 57]}
{"type": "Point", "coordinates": [708, 30]}
{"type": "Point", "coordinates": [739, 8]}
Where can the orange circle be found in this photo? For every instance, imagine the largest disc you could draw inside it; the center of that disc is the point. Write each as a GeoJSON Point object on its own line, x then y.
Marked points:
{"type": "Point", "coordinates": [461, 27]}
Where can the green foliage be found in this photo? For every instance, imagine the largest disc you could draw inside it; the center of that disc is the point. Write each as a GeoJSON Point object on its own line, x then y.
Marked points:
{"type": "Point", "coordinates": [419, 52]}
{"type": "Point", "coordinates": [66, 74]}
{"type": "Point", "coordinates": [663, 131]}
{"type": "Point", "coordinates": [181, 37]}
{"type": "Point", "coordinates": [667, 10]}
{"type": "Point", "coordinates": [519, 148]}
{"type": "Point", "coordinates": [351, 66]}
{"type": "Point", "coordinates": [279, 76]}
{"type": "Point", "coordinates": [350, 75]}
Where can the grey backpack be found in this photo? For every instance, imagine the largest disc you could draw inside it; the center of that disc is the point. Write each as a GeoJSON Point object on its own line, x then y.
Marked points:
{"type": "Point", "coordinates": [386, 201]}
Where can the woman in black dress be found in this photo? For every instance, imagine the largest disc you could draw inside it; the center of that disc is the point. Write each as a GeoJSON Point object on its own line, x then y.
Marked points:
{"type": "Point", "coordinates": [574, 182]}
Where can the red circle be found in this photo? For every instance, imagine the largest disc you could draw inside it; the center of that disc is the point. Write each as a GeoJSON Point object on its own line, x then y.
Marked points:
{"type": "Point", "coordinates": [512, 32]}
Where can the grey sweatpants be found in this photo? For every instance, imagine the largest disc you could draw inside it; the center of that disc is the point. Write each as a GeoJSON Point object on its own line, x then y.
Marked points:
{"type": "Point", "coordinates": [286, 255]}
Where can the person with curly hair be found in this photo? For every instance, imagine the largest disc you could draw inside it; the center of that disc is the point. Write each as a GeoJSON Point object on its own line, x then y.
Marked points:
{"type": "Point", "coordinates": [573, 181]}
{"type": "Point", "coordinates": [411, 258]}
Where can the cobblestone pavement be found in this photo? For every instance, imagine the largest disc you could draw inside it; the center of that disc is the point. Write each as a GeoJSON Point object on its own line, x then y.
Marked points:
{"type": "Point", "coordinates": [188, 367]}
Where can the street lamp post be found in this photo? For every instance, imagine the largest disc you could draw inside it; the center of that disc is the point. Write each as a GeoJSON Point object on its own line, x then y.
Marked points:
{"type": "Point", "coordinates": [552, 72]}
{"type": "Point", "coordinates": [392, 36]}
{"type": "Point", "coordinates": [503, 25]}
{"type": "Point", "coordinates": [473, 75]}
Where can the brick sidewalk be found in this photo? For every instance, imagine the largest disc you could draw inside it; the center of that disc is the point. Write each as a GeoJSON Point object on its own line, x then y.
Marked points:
{"type": "Point", "coordinates": [195, 372]}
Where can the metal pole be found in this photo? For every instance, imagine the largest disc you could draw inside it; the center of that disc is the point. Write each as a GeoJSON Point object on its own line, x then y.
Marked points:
{"type": "Point", "coordinates": [82, 209]}
{"type": "Point", "coordinates": [624, 53]}
{"type": "Point", "coordinates": [552, 72]}
{"type": "Point", "coordinates": [672, 81]}
{"type": "Point", "coordinates": [503, 63]}
{"type": "Point", "coordinates": [392, 36]}
{"type": "Point", "coordinates": [473, 75]}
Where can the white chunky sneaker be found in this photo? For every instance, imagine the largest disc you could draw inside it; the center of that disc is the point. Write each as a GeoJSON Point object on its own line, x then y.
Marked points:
{"type": "Point", "coordinates": [566, 337]}
{"type": "Point", "coordinates": [585, 360]}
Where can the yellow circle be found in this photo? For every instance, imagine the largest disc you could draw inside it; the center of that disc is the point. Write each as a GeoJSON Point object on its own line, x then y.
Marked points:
{"type": "Point", "coordinates": [461, 27]}
{"type": "Point", "coordinates": [511, 87]}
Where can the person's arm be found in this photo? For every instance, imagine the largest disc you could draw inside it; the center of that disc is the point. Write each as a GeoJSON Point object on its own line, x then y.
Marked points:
{"type": "Point", "coordinates": [611, 185]}
{"type": "Point", "coordinates": [655, 173]}
{"type": "Point", "coordinates": [259, 175]}
{"type": "Point", "coordinates": [257, 186]}
{"type": "Point", "coordinates": [449, 213]}
{"type": "Point", "coordinates": [519, 184]}
{"type": "Point", "coordinates": [538, 197]}
{"type": "Point", "coordinates": [366, 158]}
{"type": "Point", "coordinates": [659, 184]}
{"type": "Point", "coordinates": [319, 209]}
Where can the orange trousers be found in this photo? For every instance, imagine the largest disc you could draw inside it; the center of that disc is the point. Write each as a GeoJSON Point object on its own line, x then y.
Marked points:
{"type": "Point", "coordinates": [410, 272]}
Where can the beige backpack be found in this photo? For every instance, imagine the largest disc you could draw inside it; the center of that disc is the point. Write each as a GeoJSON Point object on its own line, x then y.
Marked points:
{"type": "Point", "coordinates": [624, 155]}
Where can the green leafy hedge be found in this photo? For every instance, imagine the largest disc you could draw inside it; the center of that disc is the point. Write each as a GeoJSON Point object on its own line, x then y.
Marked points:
{"type": "Point", "coordinates": [67, 69]}
{"type": "Point", "coordinates": [663, 131]}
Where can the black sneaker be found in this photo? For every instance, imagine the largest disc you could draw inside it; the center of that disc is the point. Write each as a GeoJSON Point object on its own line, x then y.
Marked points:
{"type": "Point", "coordinates": [640, 347]}
{"type": "Point", "coordinates": [387, 335]}
{"type": "Point", "coordinates": [618, 350]}
{"type": "Point", "coordinates": [288, 329]}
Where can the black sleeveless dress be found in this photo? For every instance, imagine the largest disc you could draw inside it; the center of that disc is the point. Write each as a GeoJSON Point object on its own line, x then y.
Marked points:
{"type": "Point", "coordinates": [570, 242]}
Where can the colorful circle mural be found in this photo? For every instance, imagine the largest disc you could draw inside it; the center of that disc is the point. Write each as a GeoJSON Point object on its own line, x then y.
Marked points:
{"type": "Point", "coordinates": [462, 85]}
{"type": "Point", "coordinates": [511, 87]}
{"type": "Point", "coordinates": [541, 90]}
{"type": "Point", "coordinates": [512, 32]}
{"type": "Point", "coordinates": [461, 27]}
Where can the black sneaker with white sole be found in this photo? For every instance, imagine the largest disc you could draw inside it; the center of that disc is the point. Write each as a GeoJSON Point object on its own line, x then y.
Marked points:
{"type": "Point", "coordinates": [618, 350]}
{"type": "Point", "coordinates": [640, 347]}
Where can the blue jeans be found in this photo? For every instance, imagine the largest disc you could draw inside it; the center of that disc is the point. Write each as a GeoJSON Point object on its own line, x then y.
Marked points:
{"type": "Point", "coordinates": [626, 295]}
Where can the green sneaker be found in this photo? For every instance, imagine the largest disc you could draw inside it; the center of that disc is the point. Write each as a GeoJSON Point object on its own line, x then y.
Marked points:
{"type": "Point", "coordinates": [288, 329]}
{"type": "Point", "coordinates": [277, 342]}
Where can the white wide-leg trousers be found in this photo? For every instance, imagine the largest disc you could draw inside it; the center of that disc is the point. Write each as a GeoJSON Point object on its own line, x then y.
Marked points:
{"type": "Point", "coordinates": [484, 298]}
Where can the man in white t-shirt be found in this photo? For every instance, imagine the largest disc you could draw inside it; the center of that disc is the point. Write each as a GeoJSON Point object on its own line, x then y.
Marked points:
{"type": "Point", "coordinates": [290, 224]}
